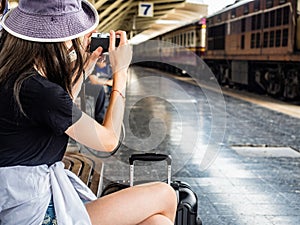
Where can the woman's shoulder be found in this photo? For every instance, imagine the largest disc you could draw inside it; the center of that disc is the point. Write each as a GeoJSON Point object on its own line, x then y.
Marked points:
{"type": "Point", "coordinates": [38, 83]}
{"type": "Point", "coordinates": [39, 89]}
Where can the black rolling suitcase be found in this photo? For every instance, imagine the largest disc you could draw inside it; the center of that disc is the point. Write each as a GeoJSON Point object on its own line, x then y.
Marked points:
{"type": "Point", "coordinates": [187, 208]}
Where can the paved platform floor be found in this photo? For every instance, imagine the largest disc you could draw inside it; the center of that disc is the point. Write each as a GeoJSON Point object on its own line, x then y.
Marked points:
{"type": "Point", "coordinates": [242, 159]}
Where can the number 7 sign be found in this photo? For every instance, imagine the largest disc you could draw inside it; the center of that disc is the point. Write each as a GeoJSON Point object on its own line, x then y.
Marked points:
{"type": "Point", "coordinates": [146, 9]}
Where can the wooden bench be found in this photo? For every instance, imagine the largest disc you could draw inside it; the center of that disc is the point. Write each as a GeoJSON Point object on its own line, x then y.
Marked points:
{"type": "Point", "coordinates": [88, 168]}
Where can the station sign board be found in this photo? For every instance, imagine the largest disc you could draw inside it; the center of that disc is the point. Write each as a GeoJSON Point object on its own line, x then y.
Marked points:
{"type": "Point", "coordinates": [146, 9]}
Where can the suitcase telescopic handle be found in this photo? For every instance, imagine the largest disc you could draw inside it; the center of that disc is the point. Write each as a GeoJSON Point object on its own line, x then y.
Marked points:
{"type": "Point", "coordinates": [150, 157]}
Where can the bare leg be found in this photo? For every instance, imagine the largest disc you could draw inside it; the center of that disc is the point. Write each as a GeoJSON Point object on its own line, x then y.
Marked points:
{"type": "Point", "coordinates": [157, 220]}
{"type": "Point", "coordinates": [153, 203]}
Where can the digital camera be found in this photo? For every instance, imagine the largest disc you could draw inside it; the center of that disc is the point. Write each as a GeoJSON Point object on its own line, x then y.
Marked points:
{"type": "Point", "coordinates": [101, 39]}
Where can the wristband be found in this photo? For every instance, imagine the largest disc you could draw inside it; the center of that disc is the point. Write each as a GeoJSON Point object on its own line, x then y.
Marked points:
{"type": "Point", "coordinates": [118, 92]}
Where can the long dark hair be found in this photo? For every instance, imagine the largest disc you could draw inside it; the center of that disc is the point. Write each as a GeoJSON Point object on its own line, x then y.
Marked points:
{"type": "Point", "coordinates": [19, 58]}
{"type": "Point", "coordinates": [3, 3]}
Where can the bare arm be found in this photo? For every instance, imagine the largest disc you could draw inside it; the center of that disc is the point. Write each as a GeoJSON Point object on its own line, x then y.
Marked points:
{"type": "Point", "coordinates": [105, 137]}
{"type": "Point", "coordinates": [100, 81]}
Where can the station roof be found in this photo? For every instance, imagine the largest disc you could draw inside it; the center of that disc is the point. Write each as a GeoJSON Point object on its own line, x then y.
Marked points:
{"type": "Point", "coordinates": [167, 15]}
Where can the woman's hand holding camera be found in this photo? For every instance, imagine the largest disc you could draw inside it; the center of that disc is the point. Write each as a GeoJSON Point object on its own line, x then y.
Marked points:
{"type": "Point", "coordinates": [93, 58]}
{"type": "Point", "coordinates": [120, 58]}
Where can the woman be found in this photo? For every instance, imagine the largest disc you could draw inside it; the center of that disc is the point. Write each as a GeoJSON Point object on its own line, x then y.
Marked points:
{"type": "Point", "coordinates": [43, 62]}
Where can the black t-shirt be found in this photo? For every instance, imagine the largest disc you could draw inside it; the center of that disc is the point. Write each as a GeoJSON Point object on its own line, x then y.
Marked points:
{"type": "Point", "coordinates": [37, 138]}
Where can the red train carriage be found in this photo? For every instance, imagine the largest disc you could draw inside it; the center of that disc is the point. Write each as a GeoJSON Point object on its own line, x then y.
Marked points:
{"type": "Point", "coordinates": [256, 43]}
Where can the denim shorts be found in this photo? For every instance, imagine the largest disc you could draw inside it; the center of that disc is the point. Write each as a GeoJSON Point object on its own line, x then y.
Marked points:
{"type": "Point", "coordinates": [50, 217]}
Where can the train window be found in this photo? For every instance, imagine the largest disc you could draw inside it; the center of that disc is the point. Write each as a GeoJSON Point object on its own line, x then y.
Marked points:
{"type": "Point", "coordinates": [246, 9]}
{"type": "Point", "coordinates": [266, 36]}
{"type": "Point", "coordinates": [285, 35]}
{"type": "Point", "coordinates": [258, 21]}
{"type": "Point", "coordinates": [210, 45]}
{"type": "Point", "coordinates": [278, 17]}
{"type": "Point", "coordinates": [216, 44]}
{"type": "Point", "coordinates": [278, 38]}
{"type": "Point", "coordinates": [193, 38]}
{"type": "Point", "coordinates": [210, 31]}
{"type": "Point", "coordinates": [272, 18]}
{"type": "Point", "coordinates": [269, 4]}
{"type": "Point", "coordinates": [180, 38]}
{"type": "Point", "coordinates": [266, 20]}
{"type": "Point", "coordinates": [216, 38]}
{"type": "Point", "coordinates": [243, 42]}
{"type": "Point", "coordinates": [187, 42]}
{"type": "Point", "coordinates": [286, 15]}
{"type": "Point", "coordinates": [252, 40]}
{"type": "Point", "coordinates": [257, 5]}
{"type": "Point", "coordinates": [282, 1]}
{"type": "Point", "coordinates": [219, 43]}
{"type": "Point", "coordinates": [233, 13]}
{"type": "Point", "coordinates": [219, 30]}
{"type": "Point", "coordinates": [253, 22]}
{"type": "Point", "coordinates": [243, 25]}
{"type": "Point", "coordinates": [271, 39]}
{"type": "Point", "coordinates": [235, 27]}
{"type": "Point", "coordinates": [257, 40]}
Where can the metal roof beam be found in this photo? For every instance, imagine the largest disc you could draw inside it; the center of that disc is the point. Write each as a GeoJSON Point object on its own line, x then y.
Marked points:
{"type": "Point", "coordinates": [99, 3]}
{"type": "Point", "coordinates": [123, 15]}
{"type": "Point", "coordinates": [115, 16]}
{"type": "Point", "coordinates": [108, 10]}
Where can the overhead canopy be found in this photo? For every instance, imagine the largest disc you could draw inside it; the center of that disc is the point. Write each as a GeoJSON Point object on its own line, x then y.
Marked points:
{"type": "Point", "coordinates": [124, 15]}
{"type": "Point", "coordinates": [167, 15]}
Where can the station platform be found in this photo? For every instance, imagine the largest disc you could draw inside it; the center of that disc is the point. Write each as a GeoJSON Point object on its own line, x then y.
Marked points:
{"type": "Point", "coordinates": [241, 159]}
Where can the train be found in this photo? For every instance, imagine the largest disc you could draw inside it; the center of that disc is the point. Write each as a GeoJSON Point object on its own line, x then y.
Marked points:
{"type": "Point", "coordinates": [251, 44]}
{"type": "Point", "coordinates": [174, 51]}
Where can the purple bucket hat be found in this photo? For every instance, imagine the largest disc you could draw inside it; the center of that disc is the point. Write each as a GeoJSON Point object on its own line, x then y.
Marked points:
{"type": "Point", "coordinates": [51, 20]}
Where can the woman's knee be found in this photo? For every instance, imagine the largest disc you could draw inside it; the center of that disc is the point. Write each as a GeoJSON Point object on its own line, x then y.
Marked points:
{"type": "Point", "coordinates": [157, 219]}
{"type": "Point", "coordinates": [167, 193]}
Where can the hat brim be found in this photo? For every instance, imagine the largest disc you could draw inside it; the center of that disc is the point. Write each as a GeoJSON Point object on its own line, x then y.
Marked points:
{"type": "Point", "coordinates": [48, 28]}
